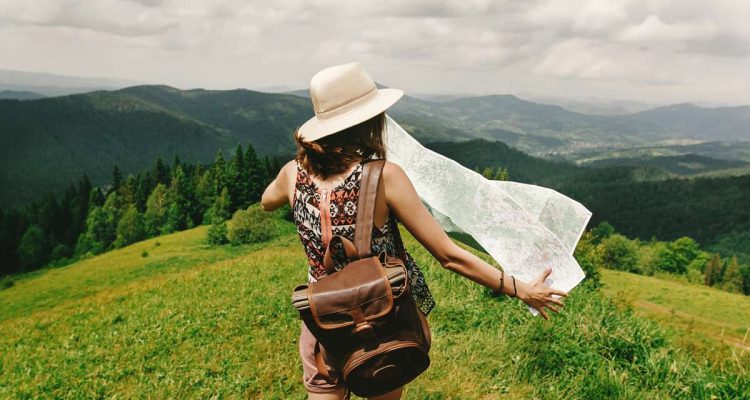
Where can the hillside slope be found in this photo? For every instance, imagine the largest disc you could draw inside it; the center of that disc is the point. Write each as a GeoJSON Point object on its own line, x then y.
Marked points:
{"type": "Point", "coordinates": [703, 320]}
{"type": "Point", "coordinates": [190, 321]}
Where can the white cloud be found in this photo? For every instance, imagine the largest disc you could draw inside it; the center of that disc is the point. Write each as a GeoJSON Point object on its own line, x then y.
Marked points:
{"type": "Point", "coordinates": [582, 16]}
{"type": "Point", "coordinates": [666, 50]}
{"type": "Point", "coordinates": [652, 29]}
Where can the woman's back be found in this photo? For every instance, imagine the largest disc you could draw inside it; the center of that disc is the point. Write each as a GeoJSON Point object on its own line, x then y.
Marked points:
{"type": "Point", "coordinates": [315, 228]}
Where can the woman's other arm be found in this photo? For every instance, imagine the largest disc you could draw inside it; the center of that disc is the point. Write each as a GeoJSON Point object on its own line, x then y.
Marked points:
{"type": "Point", "coordinates": [403, 199]}
{"type": "Point", "coordinates": [279, 191]}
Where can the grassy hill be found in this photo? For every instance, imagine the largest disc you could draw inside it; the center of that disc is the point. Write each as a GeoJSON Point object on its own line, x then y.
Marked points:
{"type": "Point", "coordinates": [173, 318]}
{"type": "Point", "coordinates": [703, 320]}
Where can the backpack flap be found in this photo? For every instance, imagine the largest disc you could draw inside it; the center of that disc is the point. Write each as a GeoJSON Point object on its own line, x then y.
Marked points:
{"type": "Point", "coordinates": [358, 293]}
{"type": "Point", "coordinates": [395, 272]}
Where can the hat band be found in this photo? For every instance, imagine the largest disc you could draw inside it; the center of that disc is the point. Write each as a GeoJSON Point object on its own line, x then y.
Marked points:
{"type": "Point", "coordinates": [349, 105]}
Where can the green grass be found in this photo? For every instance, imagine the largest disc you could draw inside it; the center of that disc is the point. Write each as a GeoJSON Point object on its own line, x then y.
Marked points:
{"type": "Point", "coordinates": [703, 320]}
{"type": "Point", "coordinates": [192, 321]}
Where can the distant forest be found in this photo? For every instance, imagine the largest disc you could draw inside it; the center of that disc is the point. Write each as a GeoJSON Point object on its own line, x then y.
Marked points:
{"type": "Point", "coordinates": [89, 220]}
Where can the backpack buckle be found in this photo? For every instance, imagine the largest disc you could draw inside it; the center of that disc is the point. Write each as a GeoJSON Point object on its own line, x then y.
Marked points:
{"type": "Point", "coordinates": [362, 328]}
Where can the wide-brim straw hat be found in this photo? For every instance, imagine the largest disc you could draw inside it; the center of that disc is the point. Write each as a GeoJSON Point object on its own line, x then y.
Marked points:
{"type": "Point", "coordinates": [343, 96]}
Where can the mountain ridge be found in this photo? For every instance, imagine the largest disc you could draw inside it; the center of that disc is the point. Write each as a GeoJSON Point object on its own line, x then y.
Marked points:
{"type": "Point", "coordinates": [88, 133]}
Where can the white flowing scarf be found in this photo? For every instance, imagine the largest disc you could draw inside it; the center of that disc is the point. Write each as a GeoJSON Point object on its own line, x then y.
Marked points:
{"type": "Point", "coordinates": [525, 228]}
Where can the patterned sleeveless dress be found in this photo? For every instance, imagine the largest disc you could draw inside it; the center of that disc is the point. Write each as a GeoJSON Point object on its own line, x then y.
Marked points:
{"type": "Point", "coordinates": [315, 229]}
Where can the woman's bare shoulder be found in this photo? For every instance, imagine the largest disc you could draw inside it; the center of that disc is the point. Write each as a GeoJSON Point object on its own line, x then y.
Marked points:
{"type": "Point", "coordinates": [395, 180]}
{"type": "Point", "coordinates": [391, 169]}
{"type": "Point", "coordinates": [288, 173]}
{"type": "Point", "coordinates": [290, 166]}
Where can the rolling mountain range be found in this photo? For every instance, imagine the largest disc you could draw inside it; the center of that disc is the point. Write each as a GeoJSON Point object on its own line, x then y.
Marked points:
{"type": "Point", "coordinates": [50, 142]}
{"type": "Point", "coordinates": [541, 129]}
{"type": "Point", "coordinates": [47, 143]}
{"type": "Point", "coordinates": [19, 95]}
{"type": "Point", "coordinates": [46, 84]}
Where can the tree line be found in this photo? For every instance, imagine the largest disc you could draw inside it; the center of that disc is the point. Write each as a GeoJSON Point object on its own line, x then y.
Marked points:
{"type": "Point", "coordinates": [87, 220]}
{"type": "Point", "coordinates": [603, 247]}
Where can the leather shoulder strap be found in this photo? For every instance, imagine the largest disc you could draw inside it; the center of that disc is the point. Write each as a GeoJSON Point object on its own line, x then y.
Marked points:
{"type": "Point", "coordinates": [368, 191]}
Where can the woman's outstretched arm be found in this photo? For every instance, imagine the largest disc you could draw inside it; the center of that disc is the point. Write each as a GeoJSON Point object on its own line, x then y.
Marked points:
{"type": "Point", "coordinates": [279, 191]}
{"type": "Point", "coordinates": [403, 199]}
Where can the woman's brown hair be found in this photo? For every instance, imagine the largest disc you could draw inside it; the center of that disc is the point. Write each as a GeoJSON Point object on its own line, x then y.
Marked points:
{"type": "Point", "coordinates": [334, 154]}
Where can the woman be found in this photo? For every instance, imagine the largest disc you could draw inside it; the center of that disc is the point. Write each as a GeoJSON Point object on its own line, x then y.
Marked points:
{"type": "Point", "coordinates": [347, 129]}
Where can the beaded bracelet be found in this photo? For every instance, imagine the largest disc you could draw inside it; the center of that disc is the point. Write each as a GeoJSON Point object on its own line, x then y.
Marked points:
{"type": "Point", "coordinates": [499, 291]}
{"type": "Point", "coordinates": [502, 282]}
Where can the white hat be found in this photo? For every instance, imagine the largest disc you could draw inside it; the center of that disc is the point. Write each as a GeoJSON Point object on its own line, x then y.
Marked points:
{"type": "Point", "coordinates": [343, 96]}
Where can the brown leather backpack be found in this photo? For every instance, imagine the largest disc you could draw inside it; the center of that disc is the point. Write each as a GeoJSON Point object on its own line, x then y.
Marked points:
{"type": "Point", "coordinates": [366, 321]}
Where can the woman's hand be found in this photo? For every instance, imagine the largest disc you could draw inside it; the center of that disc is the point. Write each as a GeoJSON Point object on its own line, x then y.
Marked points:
{"type": "Point", "coordinates": [538, 295]}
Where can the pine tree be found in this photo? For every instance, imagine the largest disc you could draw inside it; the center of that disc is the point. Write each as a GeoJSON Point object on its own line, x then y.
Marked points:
{"type": "Point", "coordinates": [685, 250]}
{"type": "Point", "coordinates": [732, 280]}
{"type": "Point", "coordinates": [205, 193]}
{"type": "Point", "coordinates": [175, 219]}
{"type": "Point", "coordinates": [270, 172]}
{"type": "Point", "coordinates": [101, 227]}
{"type": "Point", "coordinates": [176, 162]}
{"type": "Point", "coordinates": [711, 268]}
{"type": "Point", "coordinates": [161, 172]}
{"type": "Point", "coordinates": [502, 174]}
{"type": "Point", "coordinates": [156, 210]}
{"type": "Point", "coordinates": [217, 215]}
{"type": "Point", "coordinates": [220, 209]}
{"type": "Point", "coordinates": [127, 190]}
{"type": "Point", "coordinates": [130, 228]}
{"type": "Point", "coordinates": [47, 214]}
{"type": "Point", "coordinates": [141, 191]}
{"type": "Point", "coordinates": [181, 214]}
{"type": "Point", "coordinates": [256, 175]}
{"type": "Point", "coordinates": [488, 173]}
{"type": "Point", "coordinates": [112, 210]}
{"type": "Point", "coordinates": [238, 180]}
{"type": "Point", "coordinates": [89, 242]}
{"type": "Point", "coordinates": [116, 179]}
{"type": "Point", "coordinates": [84, 189]}
{"type": "Point", "coordinates": [33, 249]}
{"type": "Point", "coordinates": [718, 273]}
{"type": "Point", "coordinates": [220, 171]}
{"type": "Point", "coordinates": [96, 198]}
{"type": "Point", "coordinates": [67, 205]}
{"type": "Point", "coordinates": [708, 273]}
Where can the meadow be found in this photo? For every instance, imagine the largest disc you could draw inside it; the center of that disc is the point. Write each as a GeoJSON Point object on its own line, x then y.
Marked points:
{"type": "Point", "coordinates": [172, 317]}
{"type": "Point", "coordinates": [704, 321]}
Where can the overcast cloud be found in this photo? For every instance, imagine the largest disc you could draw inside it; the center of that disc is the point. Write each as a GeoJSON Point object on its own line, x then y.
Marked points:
{"type": "Point", "coordinates": [661, 51]}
